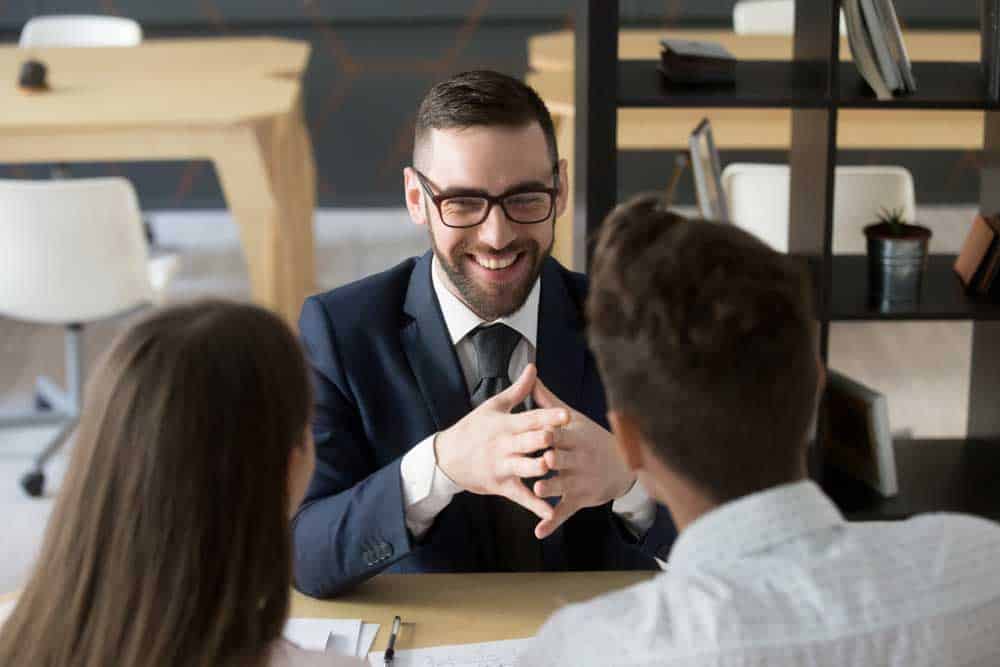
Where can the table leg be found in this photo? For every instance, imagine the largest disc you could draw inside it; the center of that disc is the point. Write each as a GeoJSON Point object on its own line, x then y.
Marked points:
{"type": "Point", "coordinates": [268, 178]}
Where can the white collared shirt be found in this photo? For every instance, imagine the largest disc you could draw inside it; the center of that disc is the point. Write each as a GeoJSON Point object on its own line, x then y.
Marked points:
{"type": "Point", "coordinates": [426, 489]}
{"type": "Point", "coordinates": [779, 578]}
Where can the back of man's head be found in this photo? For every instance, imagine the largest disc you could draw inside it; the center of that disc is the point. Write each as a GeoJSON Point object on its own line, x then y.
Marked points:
{"type": "Point", "coordinates": [706, 339]}
{"type": "Point", "coordinates": [480, 98]}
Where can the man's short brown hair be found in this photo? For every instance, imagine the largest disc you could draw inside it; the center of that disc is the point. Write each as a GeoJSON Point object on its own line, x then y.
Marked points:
{"type": "Point", "coordinates": [481, 98]}
{"type": "Point", "coordinates": [706, 337]}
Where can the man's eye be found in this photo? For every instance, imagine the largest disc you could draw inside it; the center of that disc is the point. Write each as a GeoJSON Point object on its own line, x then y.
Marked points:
{"type": "Point", "coordinates": [527, 199]}
{"type": "Point", "coordinates": [464, 204]}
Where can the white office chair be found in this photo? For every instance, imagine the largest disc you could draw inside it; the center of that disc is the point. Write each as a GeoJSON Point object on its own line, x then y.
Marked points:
{"type": "Point", "coordinates": [80, 30]}
{"type": "Point", "coordinates": [71, 252]}
{"type": "Point", "coordinates": [758, 195]}
{"type": "Point", "coordinates": [769, 17]}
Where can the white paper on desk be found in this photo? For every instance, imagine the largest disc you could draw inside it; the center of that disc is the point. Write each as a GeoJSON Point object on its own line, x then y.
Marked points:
{"type": "Point", "coordinates": [321, 634]}
{"type": "Point", "coordinates": [367, 638]}
{"type": "Point", "coordinates": [486, 654]}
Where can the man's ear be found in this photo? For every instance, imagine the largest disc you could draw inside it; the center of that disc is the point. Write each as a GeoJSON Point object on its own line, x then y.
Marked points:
{"type": "Point", "coordinates": [414, 197]}
{"type": "Point", "coordinates": [628, 439]}
{"type": "Point", "coordinates": [563, 194]}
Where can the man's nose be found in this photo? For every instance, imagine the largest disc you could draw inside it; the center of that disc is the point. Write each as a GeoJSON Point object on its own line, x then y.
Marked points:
{"type": "Point", "coordinates": [497, 231]}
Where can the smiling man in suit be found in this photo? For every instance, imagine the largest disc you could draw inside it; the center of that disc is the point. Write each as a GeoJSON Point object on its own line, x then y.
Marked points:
{"type": "Point", "coordinates": [459, 417]}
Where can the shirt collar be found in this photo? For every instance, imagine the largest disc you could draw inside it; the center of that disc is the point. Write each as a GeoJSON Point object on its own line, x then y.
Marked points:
{"type": "Point", "coordinates": [460, 320]}
{"type": "Point", "coordinates": [755, 523]}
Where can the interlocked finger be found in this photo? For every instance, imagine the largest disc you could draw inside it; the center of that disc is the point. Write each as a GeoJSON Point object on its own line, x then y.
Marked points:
{"type": "Point", "coordinates": [520, 494]}
{"type": "Point", "coordinates": [551, 487]}
{"type": "Point", "coordinates": [526, 466]}
{"type": "Point", "coordinates": [561, 459]}
{"type": "Point", "coordinates": [530, 442]}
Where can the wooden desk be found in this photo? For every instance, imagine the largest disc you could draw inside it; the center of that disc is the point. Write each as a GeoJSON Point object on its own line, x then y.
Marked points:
{"type": "Point", "coordinates": [463, 608]}
{"type": "Point", "coordinates": [235, 102]}
{"type": "Point", "coordinates": [550, 56]}
{"type": "Point", "coordinates": [439, 609]}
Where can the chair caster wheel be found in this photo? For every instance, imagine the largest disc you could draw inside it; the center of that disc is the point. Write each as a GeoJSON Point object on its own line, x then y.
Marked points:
{"type": "Point", "coordinates": [33, 483]}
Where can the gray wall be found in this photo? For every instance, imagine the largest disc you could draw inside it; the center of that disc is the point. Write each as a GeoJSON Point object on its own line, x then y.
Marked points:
{"type": "Point", "coordinates": [372, 62]}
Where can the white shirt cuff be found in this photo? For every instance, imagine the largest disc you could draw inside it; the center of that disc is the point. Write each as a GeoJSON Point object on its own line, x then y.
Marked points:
{"type": "Point", "coordinates": [636, 509]}
{"type": "Point", "coordinates": [426, 489]}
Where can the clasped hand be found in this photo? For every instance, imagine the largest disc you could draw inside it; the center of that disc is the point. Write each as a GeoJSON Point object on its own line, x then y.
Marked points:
{"type": "Point", "coordinates": [489, 450]}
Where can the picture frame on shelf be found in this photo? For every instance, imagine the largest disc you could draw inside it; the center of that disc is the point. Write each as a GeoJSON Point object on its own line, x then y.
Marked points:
{"type": "Point", "coordinates": [707, 173]}
{"type": "Point", "coordinates": [858, 441]}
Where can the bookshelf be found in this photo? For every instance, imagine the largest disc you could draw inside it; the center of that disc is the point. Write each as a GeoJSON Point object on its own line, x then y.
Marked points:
{"type": "Point", "coordinates": [934, 474]}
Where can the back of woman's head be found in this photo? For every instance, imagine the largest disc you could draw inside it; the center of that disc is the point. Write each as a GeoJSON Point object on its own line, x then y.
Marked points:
{"type": "Point", "coordinates": [169, 542]}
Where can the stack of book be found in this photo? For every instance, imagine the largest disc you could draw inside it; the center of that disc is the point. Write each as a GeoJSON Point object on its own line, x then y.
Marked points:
{"type": "Point", "coordinates": [877, 47]}
{"type": "Point", "coordinates": [978, 263]}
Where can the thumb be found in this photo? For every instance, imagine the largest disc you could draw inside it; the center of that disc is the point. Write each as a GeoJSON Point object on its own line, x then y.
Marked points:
{"type": "Point", "coordinates": [507, 399]}
{"type": "Point", "coordinates": [544, 398]}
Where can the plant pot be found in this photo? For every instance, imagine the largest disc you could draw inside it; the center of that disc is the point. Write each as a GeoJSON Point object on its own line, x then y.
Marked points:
{"type": "Point", "coordinates": [897, 256]}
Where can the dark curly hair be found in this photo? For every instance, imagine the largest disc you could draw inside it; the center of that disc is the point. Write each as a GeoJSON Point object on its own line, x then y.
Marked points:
{"type": "Point", "coordinates": [706, 337]}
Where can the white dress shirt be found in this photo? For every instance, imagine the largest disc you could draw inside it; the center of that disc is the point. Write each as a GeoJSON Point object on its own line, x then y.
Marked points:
{"type": "Point", "coordinates": [426, 489]}
{"type": "Point", "coordinates": [779, 578]}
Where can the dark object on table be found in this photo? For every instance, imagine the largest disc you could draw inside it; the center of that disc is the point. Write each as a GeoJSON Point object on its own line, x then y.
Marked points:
{"type": "Point", "coordinates": [688, 62]}
{"type": "Point", "coordinates": [897, 256]}
{"type": "Point", "coordinates": [978, 263]}
{"type": "Point", "coordinates": [32, 76]}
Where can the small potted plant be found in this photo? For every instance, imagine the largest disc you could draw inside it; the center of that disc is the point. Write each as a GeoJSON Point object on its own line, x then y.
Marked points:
{"type": "Point", "coordinates": [897, 256]}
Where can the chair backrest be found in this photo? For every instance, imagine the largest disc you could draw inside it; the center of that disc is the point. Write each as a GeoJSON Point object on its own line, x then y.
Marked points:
{"type": "Point", "coordinates": [758, 196]}
{"type": "Point", "coordinates": [768, 17]}
{"type": "Point", "coordinates": [71, 250]}
{"type": "Point", "coordinates": [80, 30]}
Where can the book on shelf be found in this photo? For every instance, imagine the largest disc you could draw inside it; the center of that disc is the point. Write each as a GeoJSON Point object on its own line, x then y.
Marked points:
{"type": "Point", "coordinates": [978, 262]}
{"type": "Point", "coordinates": [877, 46]}
{"type": "Point", "coordinates": [858, 440]}
{"type": "Point", "coordinates": [690, 62]}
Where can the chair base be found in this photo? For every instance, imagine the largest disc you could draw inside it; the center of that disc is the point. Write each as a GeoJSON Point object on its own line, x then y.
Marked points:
{"type": "Point", "coordinates": [55, 407]}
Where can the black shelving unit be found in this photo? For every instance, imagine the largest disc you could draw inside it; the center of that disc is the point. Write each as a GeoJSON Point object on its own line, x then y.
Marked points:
{"type": "Point", "coordinates": [934, 475]}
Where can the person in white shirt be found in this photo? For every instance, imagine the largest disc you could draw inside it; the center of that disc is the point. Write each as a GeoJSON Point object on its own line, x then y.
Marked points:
{"type": "Point", "coordinates": [169, 544]}
{"type": "Point", "coordinates": [707, 342]}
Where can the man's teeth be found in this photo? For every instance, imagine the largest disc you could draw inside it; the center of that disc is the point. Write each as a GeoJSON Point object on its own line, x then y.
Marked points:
{"type": "Point", "coordinates": [496, 264]}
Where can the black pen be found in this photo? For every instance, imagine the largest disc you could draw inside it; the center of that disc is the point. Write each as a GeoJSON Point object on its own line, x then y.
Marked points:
{"type": "Point", "coordinates": [390, 650]}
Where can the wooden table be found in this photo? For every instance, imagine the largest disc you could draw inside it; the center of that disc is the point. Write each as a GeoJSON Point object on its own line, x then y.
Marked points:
{"type": "Point", "coordinates": [235, 102]}
{"type": "Point", "coordinates": [441, 609]}
{"type": "Point", "coordinates": [550, 57]}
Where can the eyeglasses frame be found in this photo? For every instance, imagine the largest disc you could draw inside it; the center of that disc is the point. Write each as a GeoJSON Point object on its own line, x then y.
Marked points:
{"type": "Point", "coordinates": [491, 200]}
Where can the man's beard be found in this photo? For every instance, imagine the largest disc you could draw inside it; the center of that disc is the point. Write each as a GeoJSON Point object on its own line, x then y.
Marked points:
{"type": "Point", "coordinates": [509, 297]}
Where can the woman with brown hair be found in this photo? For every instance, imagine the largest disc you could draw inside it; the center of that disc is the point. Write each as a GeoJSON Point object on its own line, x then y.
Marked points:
{"type": "Point", "coordinates": [169, 543]}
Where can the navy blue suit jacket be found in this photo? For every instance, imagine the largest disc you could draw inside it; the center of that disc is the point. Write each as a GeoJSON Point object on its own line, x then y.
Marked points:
{"type": "Point", "coordinates": [386, 376]}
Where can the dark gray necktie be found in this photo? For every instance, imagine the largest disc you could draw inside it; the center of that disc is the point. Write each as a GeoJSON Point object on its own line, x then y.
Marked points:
{"type": "Point", "coordinates": [517, 548]}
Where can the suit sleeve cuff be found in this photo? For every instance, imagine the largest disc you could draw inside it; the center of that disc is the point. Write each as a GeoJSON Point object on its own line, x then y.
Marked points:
{"type": "Point", "coordinates": [636, 509]}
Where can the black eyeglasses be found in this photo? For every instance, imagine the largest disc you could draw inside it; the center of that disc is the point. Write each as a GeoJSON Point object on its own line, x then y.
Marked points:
{"type": "Point", "coordinates": [527, 206]}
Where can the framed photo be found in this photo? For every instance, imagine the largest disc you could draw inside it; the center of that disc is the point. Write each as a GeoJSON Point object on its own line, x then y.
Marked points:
{"type": "Point", "coordinates": [858, 439]}
{"type": "Point", "coordinates": [707, 173]}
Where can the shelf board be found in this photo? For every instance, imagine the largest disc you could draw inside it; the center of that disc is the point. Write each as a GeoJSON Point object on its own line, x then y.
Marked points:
{"type": "Point", "coordinates": [942, 295]}
{"type": "Point", "coordinates": [940, 85]}
{"type": "Point", "coordinates": [935, 475]}
{"type": "Point", "coordinates": [759, 84]}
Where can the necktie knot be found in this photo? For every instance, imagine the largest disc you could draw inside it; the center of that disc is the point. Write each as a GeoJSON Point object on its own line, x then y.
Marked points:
{"type": "Point", "coordinates": [494, 345]}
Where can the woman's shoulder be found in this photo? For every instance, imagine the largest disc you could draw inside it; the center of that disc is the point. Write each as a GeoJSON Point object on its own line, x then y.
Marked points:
{"type": "Point", "coordinates": [286, 654]}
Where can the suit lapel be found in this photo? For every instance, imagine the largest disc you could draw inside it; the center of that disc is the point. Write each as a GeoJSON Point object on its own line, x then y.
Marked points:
{"type": "Point", "coordinates": [562, 348]}
{"type": "Point", "coordinates": [430, 352]}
